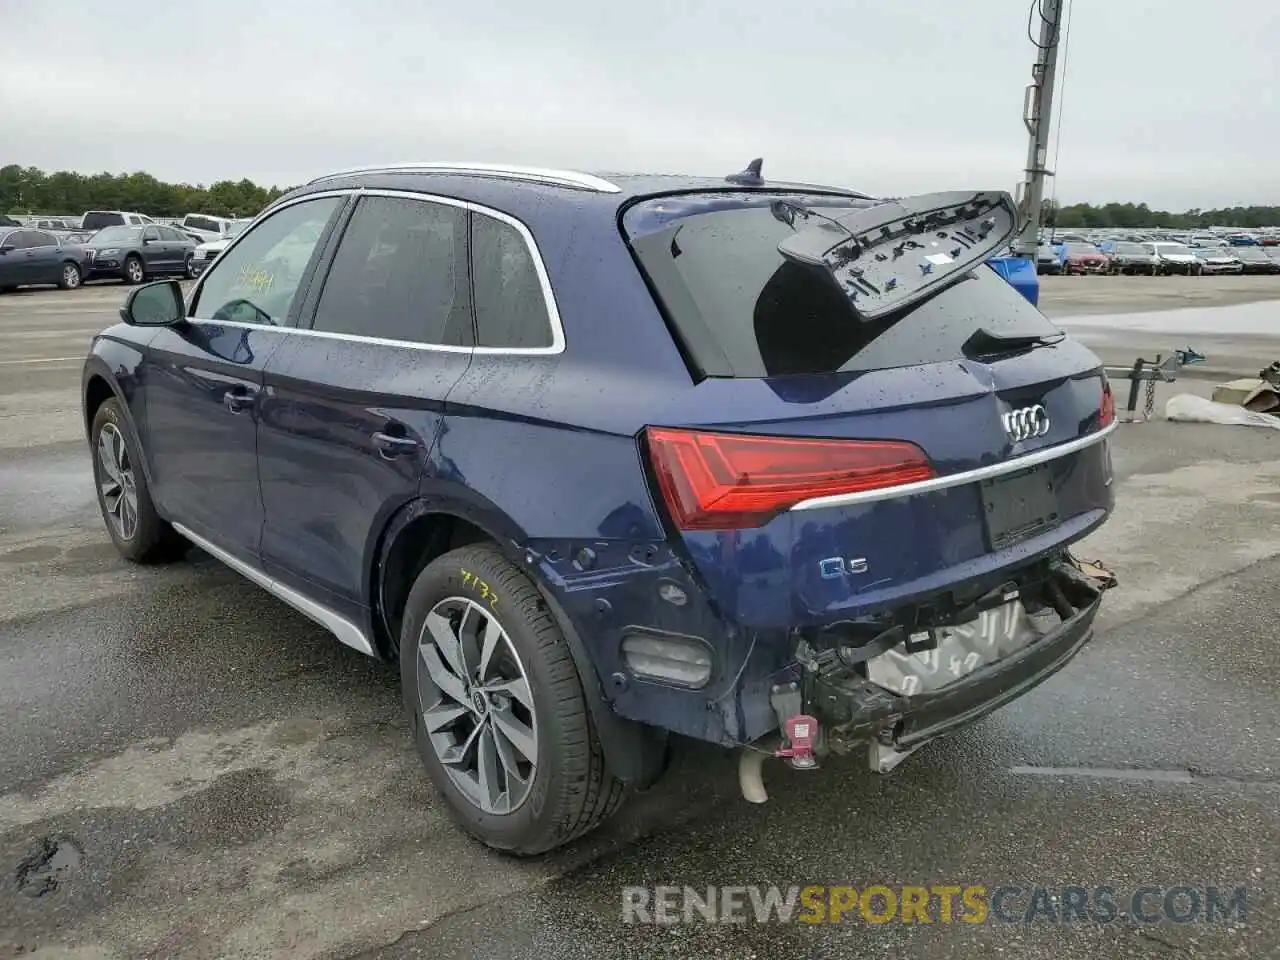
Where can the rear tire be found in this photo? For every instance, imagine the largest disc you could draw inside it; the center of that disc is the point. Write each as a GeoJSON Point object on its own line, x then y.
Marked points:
{"type": "Point", "coordinates": [136, 529]}
{"type": "Point", "coordinates": [70, 278]}
{"type": "Point", "coordinates": [564, 790]}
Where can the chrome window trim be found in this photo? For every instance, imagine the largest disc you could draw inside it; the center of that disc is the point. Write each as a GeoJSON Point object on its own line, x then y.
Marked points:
{"type": "Point", "coordinates": [558, 178]}
{"type": "Point", "coordinates": [544, 280]}
{"type": "Point", "coordinates": [1033, 459]}
{"type": "Point", "coordinates": [342, 628]}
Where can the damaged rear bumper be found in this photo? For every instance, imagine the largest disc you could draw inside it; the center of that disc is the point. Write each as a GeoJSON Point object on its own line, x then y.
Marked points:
{"type": "Point", "coordinates": [838, 708]}
{"type": "Point", "coordinates": [853, 711]}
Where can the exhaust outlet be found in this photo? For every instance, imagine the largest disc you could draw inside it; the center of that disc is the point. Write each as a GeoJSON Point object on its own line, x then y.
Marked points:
{"type": "Point", "coordinates": [751, 769]}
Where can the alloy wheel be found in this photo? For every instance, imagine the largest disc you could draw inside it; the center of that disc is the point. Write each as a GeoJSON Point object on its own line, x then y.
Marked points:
{"type": "Point", "coordinates": [476, 705]}
{"type": "Point", "coordinates": [116, 481]}
{"type": "Point", "coordinates": [135, 270]}
{"type": "Point", "coordinates": [70, 276]}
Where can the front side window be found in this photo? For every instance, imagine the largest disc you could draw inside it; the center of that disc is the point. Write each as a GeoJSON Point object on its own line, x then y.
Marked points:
{"type": "Point", "coordinates": [150, 233]}
{"type": "Point", "coordinates": [400, 274]}
{"type": "Point", "coordinates": [41, 239]}
{"type": "Point", "coordinates": [511, 310]}
{"type": "Point", "coordinates": [172, 235]}
{"type": "Point", "coordinates": [256, 281]}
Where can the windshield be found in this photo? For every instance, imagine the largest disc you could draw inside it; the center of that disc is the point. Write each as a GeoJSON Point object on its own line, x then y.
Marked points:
{"type": "Point", "coordinates": [1134, 249]}
{"type": "Point", "coordinates": [1081, 249]}
{"type": "Point", "coordinates": [741, 309]}
{"type": "Point", "coordinates": [236, 227]}
{"type": "Point", "coordinates": [115, 235]}
{"type": "Point", "coordinates": [1172, 248]}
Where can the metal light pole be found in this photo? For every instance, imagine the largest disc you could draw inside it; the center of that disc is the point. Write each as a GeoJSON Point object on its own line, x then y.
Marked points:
{"type": "Point", "coordinates": [1037, 105]}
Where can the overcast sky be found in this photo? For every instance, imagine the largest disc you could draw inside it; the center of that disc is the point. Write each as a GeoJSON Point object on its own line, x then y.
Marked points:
{"type": "Point", "coordinates": [1171, 102]}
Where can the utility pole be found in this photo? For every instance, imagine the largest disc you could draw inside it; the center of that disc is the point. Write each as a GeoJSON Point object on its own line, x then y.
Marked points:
{"type": "Point", "coordinates": [1036, 110]}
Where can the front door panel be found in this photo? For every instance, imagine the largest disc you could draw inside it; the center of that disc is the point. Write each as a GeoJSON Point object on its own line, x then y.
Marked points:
{"type": "Point", "coordinates": [203, 384]}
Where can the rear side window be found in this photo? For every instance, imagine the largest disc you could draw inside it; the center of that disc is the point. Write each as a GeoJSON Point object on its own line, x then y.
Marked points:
{"type": "Point", "coordinates": [511, 309]}
{"type": "Point", "coordinates": [201, 223]}
{"type": "Point", "coordinates": [400, 273]}
{"type": "Point", "coordinates": [743, 310]}
{"type": "Point", "coordinates": [97, 219]}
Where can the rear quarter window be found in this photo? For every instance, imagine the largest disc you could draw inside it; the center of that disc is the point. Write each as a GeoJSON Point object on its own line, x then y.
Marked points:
{"type": "Point", "coordinates": [743, 310]}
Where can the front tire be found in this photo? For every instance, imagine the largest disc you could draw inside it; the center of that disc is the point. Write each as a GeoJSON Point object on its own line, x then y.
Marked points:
{"type": "Point", "coordinates": [136, 529]}
{"type": "Point", "coordinates": [134, 272]}
{"type": "Point", "coordinates": [188, 269]}
{"type": "Point", "coordinates": [498, 710]}
{"type": "Point", "coordinates": [70, 278]}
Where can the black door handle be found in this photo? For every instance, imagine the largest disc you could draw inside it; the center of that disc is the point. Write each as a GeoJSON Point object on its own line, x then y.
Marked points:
{"type": "Point", "coordinates": [237, 400]}
{"type": "Point", "coordinates": [390, 445]}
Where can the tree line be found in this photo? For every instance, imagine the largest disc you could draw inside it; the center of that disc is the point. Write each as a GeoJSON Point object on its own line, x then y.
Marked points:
{"type": "Point", "coordinates": [29, 190]}
{"type": "Point", "coordinates": [1140, 215]}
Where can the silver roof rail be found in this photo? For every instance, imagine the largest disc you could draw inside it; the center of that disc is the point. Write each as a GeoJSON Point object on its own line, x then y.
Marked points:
{"type": "Point", "coordinates": [559, 178]}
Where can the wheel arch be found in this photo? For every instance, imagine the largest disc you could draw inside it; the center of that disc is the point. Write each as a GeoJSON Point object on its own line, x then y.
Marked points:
{"type": "Point", "coordinates": [429, 527]}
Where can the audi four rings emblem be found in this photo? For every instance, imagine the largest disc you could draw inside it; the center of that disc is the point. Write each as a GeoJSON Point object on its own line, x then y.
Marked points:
{"type": "Point", "coordinates": [1026, 423]}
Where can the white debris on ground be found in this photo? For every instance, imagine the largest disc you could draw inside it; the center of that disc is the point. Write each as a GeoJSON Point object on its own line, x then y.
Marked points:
{"type": "Point", "coordinates": [1189, 408]}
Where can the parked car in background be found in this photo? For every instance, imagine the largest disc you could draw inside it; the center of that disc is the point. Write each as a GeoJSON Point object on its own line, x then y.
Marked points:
{"type": "Point", "coordinates": [206, 253]}
{"type": "Point", "coordinates": [1051, 258]}
{"type": "Point", "coordinates": [51, 223]}
{"type": "Point", "coordinates": [1175, 257]}
{"type": "Point", "coordinates": [206, 228]}
{"type": "Point", "coordinates": [133, 254]}
{"type": "Point", "coordinates": [36, 257]}
{"type": "Point", "coordinates": [1255, 260]}
{"type": "Point", "coordinates": [1085, 258]}
{"type": "Point", "coordinates": [853, 529]}
{"type": "Point", "coordinates": [1215, 260]}
{"type": "Point", "coordinates": [1131, 258]}
{"type": "Point", "coordinates": [97, 219]}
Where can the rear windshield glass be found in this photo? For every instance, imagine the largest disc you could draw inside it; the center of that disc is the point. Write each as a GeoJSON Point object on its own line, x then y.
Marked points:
{"type": "Point", "coordinates": [97, 219]}
{"type": "Point", "coordinates": [742, 310]}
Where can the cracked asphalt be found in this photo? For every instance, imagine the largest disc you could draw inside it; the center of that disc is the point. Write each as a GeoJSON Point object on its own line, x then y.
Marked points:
{"type": "Point", "coordinates": [226, 780]}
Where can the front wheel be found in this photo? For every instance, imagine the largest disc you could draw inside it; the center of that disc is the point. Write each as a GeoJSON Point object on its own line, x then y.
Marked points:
{"type": "Point", "coordinates": [134, 273]}
{"type": "Point", "coordinates": [189, 270]}
{"type": "Point", "coordinates": [136, 529]}
{"type": "Point", "coordinates": [498, 710]}
{"type": "Point", "coordinates": [70, 278]}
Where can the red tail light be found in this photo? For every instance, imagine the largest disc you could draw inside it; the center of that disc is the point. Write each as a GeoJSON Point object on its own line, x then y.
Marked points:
{"type": "Point", "coordinates": [721, 481]}
{"type": "Point", "coordinates": [1108, 414]}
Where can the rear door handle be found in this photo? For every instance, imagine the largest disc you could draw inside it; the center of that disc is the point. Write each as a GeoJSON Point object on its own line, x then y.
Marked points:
{"type": "Point", "coordinates": [390, 446]}
{"type": "Point", "coordinates": [238, 399]}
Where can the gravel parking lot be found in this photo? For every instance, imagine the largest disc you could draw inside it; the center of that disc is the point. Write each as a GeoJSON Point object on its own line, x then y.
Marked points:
{"type": "Point", "coordinates": [223, 779]}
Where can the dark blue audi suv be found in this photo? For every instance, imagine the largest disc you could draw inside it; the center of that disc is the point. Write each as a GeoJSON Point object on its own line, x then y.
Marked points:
{"type": "Point", "coordinates": [599, 460]}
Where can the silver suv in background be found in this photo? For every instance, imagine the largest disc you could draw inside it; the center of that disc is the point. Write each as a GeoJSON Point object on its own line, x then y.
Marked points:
{"type": "Point", "coordinates": [206, 228]}
{"type": "Point", "coordinates": [207, 252]}
{"type": "Point", "coordinates": [97, 219]}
